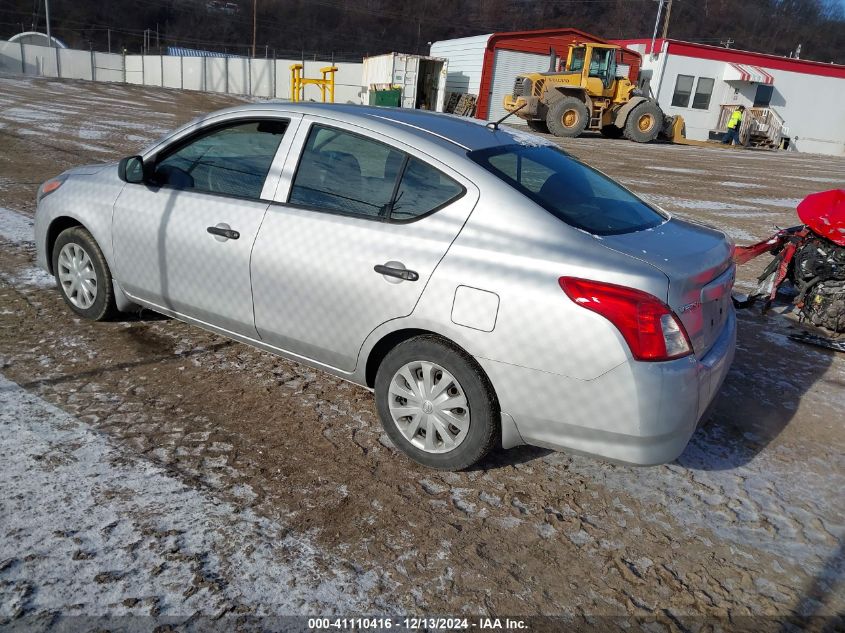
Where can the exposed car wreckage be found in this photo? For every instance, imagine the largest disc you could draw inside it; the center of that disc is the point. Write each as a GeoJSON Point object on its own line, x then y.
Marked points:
{"type": "Point", "coordinates": [812, 257]}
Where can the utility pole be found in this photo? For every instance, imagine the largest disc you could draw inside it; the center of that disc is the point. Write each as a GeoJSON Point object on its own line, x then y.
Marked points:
{"type": "Point", "coordinates": [254, 23]}
{"type": "Point", "coordinates": [656, 25]}
{"type": "Point", "coordinates": [47, 17]}
{"type": "Point", "coordinates": [666, 19]}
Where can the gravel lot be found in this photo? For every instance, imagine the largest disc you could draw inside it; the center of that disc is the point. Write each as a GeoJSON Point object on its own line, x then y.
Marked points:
{"type": "Point", "coordinates": [151, 468]}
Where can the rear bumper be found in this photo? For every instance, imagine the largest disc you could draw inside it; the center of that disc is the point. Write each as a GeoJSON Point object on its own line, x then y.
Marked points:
{"type": "Point", "coordinates": [637, 413]}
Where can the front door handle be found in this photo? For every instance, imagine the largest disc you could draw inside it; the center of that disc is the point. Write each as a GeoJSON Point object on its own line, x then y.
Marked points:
{"type": "Point", "coordinates": [224, 232]}
{"type": "Point", "coordinates": [402, 273]}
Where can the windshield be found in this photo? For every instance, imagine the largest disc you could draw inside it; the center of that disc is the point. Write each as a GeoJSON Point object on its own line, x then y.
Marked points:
{"type": "Point", "coordinates": [570, 190]}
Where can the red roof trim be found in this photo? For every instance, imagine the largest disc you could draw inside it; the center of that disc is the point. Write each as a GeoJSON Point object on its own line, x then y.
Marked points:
{"type": "Point", "coordinates": [730, 55]}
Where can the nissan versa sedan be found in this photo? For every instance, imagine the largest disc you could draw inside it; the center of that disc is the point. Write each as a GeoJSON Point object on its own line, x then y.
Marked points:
{"type": "Point", "coordinates": [489, 288]}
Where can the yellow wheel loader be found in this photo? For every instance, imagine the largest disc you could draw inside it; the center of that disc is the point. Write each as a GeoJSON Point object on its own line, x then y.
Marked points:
{"type": "Point", "coordinates": [591, 92]}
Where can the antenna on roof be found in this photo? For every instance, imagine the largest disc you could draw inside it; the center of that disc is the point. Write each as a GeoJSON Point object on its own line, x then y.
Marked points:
{"type": "Point", "coordinates": [494, 125]}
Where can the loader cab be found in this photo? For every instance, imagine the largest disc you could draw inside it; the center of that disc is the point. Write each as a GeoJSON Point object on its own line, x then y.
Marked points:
{"type": "Point", "coordinates": [597, 65]}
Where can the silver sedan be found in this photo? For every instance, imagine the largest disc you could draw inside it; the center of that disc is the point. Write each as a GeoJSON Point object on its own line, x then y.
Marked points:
{"type": "Point", "coordinates": [489, 288]}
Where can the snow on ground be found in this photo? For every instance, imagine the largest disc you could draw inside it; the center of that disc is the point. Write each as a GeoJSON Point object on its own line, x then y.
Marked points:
{"type": "Point", "coordinates": [15, 227]}
{"type": "Point", "coordinates": [785, 203]}
{"type": "Point", "coordinates": [90, 528]}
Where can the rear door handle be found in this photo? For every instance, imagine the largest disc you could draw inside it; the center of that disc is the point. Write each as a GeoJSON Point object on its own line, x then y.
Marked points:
{"type": "Point", "coordinates": [399, 273]}
{"type": "Point", "coordinates": [229, 234]}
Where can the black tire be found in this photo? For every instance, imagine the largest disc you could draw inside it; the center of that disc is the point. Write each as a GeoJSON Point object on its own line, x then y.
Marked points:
{"type": "Point", "coordinates": [611, 131]}
{"type": "Point", "coordinates": [568, 117]}
{"type": "Point", "coordinates": [484, 431]}
{"type": "Point", "coordinates": [539, 126]}
{"type": "Point", "coordinates": [103, 306]}
{"type": "Point", "coordinates": [644, 122]}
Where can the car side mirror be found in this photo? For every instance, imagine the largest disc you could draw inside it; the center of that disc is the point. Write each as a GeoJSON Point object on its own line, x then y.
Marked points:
{"type": "Point", "coordinates": [131, 169]}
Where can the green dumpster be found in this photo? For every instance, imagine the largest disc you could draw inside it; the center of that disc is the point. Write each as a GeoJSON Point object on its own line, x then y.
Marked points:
{"type": "Point", "coordinates": [391, 97]}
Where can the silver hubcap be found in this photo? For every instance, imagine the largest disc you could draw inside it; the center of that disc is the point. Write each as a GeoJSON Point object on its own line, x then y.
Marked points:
{"type": "Point", "coordinates": [429, 407]}
{"type": "Point", "coordinates": [77, 276]}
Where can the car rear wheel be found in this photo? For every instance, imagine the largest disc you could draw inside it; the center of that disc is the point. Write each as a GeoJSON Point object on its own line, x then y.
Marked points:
{"type": "Point", "coordinates": [82, 275]}
{"type": "Point", "coordinates": [436, 404]}
{"type": "Point", "coordinates": [567, 117]}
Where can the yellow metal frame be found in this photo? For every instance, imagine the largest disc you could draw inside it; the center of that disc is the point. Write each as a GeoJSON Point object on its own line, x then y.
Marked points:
{"type": "Point", "coordinates": [298, 83]}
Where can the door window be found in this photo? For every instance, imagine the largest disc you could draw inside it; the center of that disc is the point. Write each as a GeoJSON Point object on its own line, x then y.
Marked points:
{"type": "Point", "coordinates": [232, 160]}
{"type": "Point", "coordinates": [346, 173]}
{"type": "Point", "coordinates": [683, 90]}
{"type": "Point", "coordinates": [600, 63]}
{"type": "Point", "coordinates": [343, 172]}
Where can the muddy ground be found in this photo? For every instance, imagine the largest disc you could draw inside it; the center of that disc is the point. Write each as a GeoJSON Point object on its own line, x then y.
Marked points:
{"type": "Point", "coordinates": [749, 521]}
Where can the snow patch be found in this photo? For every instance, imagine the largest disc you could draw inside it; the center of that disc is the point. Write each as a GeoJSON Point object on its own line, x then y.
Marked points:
{"type": "Point", "coordinates": [15, 227]}
{"type": "Point", "coordinates": [785, 203]}
{"type": "Point", "coordinates": [91, 528]}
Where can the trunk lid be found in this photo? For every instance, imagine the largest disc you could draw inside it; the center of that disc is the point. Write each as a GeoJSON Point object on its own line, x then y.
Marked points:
{"type": "Point", "coordinates": [698, 262]}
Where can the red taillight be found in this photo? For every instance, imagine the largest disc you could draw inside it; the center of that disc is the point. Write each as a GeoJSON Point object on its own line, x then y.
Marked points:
{"type": "Point", "coordinates": [649, 326]}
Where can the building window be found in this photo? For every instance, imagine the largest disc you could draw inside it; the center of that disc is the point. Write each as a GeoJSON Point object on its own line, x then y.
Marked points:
{"type": "Point", "coordinates": [763, 96]}
{"type": "Point", "coordinates": [703, 92]}
{"type": "Point", "coordinates": [683, 90]}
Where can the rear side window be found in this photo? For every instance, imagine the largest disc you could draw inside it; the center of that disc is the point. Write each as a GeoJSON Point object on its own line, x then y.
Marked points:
{"type": "Point", "coordinates": [423, 189]}
{"type": "Point", "coordinates": [346, 173]}
{"type": "Point", "coordinates": [343, 172]}
{"type": "Point", "coordinates": [573, 192]}
{"type": "Point", "coordinates": [231, 160]}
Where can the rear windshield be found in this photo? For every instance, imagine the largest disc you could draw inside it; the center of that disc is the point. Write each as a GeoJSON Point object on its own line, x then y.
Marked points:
{"type": "Point", "coordinates": [573, 192]}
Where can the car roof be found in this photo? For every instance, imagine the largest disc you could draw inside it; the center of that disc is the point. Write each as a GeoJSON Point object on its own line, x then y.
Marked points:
{"type": "Point", "coordinates": [451, 132]}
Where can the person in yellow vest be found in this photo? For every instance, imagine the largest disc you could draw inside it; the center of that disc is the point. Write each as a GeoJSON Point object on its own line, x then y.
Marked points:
{"type": "Point", "coordinates": [734, 124]}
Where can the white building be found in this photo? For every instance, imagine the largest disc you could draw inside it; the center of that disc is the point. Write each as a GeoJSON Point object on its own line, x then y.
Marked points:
{"type": "Point", "coordinates": [703, 83]}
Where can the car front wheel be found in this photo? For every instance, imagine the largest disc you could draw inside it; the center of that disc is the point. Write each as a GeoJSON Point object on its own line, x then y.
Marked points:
{"type": "Point", "coordinates": [82, 275]}
{"type": "Point", "coordinates": [436, 404]}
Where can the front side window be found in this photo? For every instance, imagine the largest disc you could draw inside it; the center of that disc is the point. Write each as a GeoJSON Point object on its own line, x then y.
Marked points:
{"type": "Point", "coordinates": [570, 190]}
{"type": "Point", "coordinates": [703, 91]}
{"type": "Point", "coordinates": [343, 172]}
{"type": "Point", "coordinates": [683, 90]}
{"type": "Point", "coordinates": [232, 160]}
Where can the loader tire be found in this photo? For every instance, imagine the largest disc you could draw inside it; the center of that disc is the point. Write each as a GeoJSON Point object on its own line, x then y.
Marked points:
{"type": "Point", "coordinates": [611, 131]}
{"type": "Point", "coordinates": [538, 126]}
{"type": "Point", "coordinates": [644, 123]}
{"type": "Point", "coordinates": [568, 117]}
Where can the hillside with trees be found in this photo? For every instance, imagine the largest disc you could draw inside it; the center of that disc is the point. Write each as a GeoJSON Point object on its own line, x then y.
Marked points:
{"type": "Point", "coordinates": [353, 28]}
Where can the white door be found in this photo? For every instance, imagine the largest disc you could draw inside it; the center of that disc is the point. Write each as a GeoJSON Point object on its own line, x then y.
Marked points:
{"type": "Point", "coordinates": [441, 86]}
{"type": "Point", "coordinates": [350, 248]}
{"type": "Point", "coordinates": [405, 73]}
{"type": "Point", "coordinates": [183, 238]}
{"type": "Point", "coordinates": [506, 66]}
